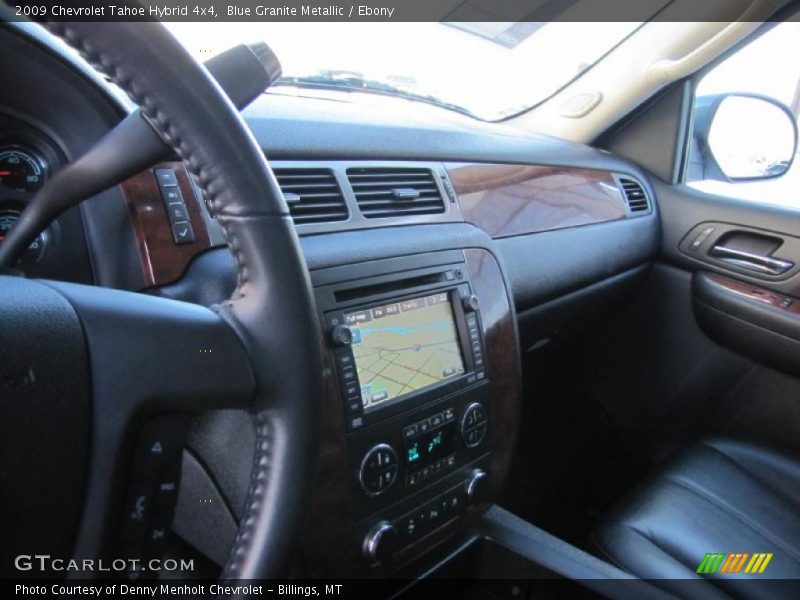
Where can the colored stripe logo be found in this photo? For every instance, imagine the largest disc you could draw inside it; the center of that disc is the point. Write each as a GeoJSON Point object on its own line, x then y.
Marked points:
{"type": "Point", "coordinates": [720, 562]}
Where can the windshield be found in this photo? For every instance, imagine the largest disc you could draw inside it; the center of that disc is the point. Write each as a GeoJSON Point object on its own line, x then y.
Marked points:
{"type": "Point", "coordinates": [487, 70]}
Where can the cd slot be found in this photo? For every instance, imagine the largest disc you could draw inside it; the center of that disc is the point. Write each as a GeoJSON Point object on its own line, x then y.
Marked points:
{"type": "Point", "coordinates": [389, 286]}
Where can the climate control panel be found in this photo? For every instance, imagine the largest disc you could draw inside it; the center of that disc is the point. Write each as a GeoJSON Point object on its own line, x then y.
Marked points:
{"type": "Point", "coordinates": [388, 536]}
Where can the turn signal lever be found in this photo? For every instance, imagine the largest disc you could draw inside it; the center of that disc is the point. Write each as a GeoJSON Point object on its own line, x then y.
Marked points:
{"type": "Point", "coordinates": [243, 72]}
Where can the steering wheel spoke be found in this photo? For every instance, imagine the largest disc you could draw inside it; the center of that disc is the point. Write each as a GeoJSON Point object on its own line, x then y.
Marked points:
{"type": "Point", "coordinates": [153, 363]}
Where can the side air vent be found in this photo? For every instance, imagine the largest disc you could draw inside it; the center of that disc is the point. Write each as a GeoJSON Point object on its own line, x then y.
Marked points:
{"type": "Point", "coordinates": [313, 195]}
{"type": "Point", "coordinates": [634, 195]}
{"type": "Point", "coordinates": [395, 192]}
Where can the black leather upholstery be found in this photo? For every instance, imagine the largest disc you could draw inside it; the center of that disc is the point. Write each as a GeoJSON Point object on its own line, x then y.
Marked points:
{"type": "Point", "coordinates": [719, 496]}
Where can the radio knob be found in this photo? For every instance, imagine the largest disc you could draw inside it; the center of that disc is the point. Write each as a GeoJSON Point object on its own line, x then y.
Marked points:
{"type": "Point", "coordinates": [475, 486]}
{"type": "Point", "coordinates": [380, 543]}
{"type": "Point", "coordinates": [471, 303]}
{"type": "Point", "coordinates": [341, 335]}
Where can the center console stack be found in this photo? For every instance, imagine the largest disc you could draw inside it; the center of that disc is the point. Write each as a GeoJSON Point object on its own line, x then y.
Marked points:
{"type": "Point", "coordinates": [406, 343]}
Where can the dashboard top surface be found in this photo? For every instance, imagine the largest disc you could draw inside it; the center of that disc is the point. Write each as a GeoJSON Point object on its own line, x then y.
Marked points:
{"type": "Point", "coordinates": [301, 131]}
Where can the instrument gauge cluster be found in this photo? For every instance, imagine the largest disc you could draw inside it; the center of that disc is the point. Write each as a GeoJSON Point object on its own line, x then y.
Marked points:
{"type": "Point", "coordinates": [22, 168]}
{"type": "Point", "coordinates": [28, 159]}
{"type": "Point", "coordinates": [37, 248]}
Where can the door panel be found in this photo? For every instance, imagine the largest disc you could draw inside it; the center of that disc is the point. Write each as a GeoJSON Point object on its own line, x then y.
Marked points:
{"type": "Point", "coordinates": [763, 231]}
{"type": "Point", "coordinates": [748, 319]}
{"type": "Point", "coordinates": [751, 252]}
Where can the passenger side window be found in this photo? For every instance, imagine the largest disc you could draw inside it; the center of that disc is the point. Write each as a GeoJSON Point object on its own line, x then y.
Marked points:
{"type": "Point", "coordinates": [744, 143]}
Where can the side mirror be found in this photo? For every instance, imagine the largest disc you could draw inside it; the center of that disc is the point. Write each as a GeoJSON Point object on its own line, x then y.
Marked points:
{"type": "Point", "coordinates": [744, 137]}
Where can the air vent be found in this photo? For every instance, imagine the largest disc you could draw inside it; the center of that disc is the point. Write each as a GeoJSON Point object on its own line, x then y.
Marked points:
{"type": "Point", "coordinates": [313, 195]}
{"type": "Point", "coordinates": [395, 192]}
{"type": "Point", "coordinates": [634, 195]}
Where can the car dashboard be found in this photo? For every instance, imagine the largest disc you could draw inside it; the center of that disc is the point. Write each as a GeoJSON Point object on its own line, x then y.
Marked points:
{"type": "Point", "coordinates": [480, 239]}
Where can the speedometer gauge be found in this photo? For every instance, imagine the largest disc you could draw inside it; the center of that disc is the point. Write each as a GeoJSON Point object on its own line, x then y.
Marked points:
{"type": "Point", "coordinates": [9, 218]}
{"type": "Point", "coordinates": [21, 169]}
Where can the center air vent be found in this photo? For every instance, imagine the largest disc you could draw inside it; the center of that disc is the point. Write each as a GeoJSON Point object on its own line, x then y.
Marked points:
{"type": "Point", "coordinates": [395, 192]}
{"type": "Point", "coordinates": [313, 195]}
{"type": "Point", "coordinates": [635, 195]}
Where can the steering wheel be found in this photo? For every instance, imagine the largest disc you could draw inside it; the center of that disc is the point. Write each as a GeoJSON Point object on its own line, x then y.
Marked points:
{"type": "Point", "coordinates": [82, 367]}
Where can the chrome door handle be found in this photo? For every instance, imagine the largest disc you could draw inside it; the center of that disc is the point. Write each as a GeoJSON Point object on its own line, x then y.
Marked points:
{"type": "Point", "coordinates": [765, 265]}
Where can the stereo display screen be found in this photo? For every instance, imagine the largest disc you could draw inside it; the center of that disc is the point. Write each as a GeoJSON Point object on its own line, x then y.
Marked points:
{"type": "Point", "coordinates": [403, 347]}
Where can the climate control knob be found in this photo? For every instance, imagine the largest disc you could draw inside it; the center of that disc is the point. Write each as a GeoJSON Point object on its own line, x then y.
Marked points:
{"type": "Point", "coordinates": [378, 470]}
{"type": "Point", "coordinates": [474, 425]}
{"type": "Point", "coordinates": [380, 543]}
{"type": "Point", "coordinates": [475, 486]}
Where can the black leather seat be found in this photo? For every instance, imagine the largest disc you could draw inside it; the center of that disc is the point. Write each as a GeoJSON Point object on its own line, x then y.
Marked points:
{"type": "Point", "coordinates": [720, 496]}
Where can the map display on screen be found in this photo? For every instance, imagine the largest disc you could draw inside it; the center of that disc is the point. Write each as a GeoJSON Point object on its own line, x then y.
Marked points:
{"type": "Point", "coordinates": [403, 347]}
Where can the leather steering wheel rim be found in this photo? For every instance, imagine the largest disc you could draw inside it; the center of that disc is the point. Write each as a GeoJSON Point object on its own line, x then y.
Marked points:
{"type": "Point", "coordinates": [272, 308]}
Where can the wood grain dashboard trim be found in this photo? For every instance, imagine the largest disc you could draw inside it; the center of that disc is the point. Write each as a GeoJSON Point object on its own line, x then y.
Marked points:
{"type": "Point", "coordinates": [503, 361]}
{"type": "Point", "coordinates": [507, 199]}
{"type": "Point", "coordinates": [162, 260]}
{"type": "Point", "coordinates": [753, 292]}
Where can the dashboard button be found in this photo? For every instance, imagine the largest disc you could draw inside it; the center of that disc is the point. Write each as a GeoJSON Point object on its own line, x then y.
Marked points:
{"type": "Point", "coordinates": [453, 502]}
{"type": "Point", "coordinates": [348, 375]}
{"type": "Point", "coordinates": [433, 514]}
{"type": "Point", "coordinates": [136, 512]}
{"type": "Point", "coordinates": [410, 526]}
{"type": "Point", "coordinates": [166, 178]}
{"type": "Point", "coordinates": [166, 486]}
{"type": "Point", "coordinates": [182, 232]}
{"type": "Point", "coordinates": [350, 390]}
{"type": "Point", "coordinates": [473, 425]}
{"type": "Point", "coordinates": [344, 359]}
{"type": "Point", "coordinates": [177, 212]}
{"type": "Point", "coordinates": [378, 469]}
{"type": "Point", "coordinates": [353, 405]}
{"type": "Point", "coordinates": [160, 443]}
{"type": "Point", "coordinates": [171, 195]}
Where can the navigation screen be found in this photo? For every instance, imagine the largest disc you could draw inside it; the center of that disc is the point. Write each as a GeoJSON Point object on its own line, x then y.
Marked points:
{"type": "Point", "coordinates": [403, 347]}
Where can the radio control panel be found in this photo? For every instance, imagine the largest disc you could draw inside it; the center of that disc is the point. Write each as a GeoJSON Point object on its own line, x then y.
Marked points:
{"type": "Point", "coordinates": [411, 368]}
